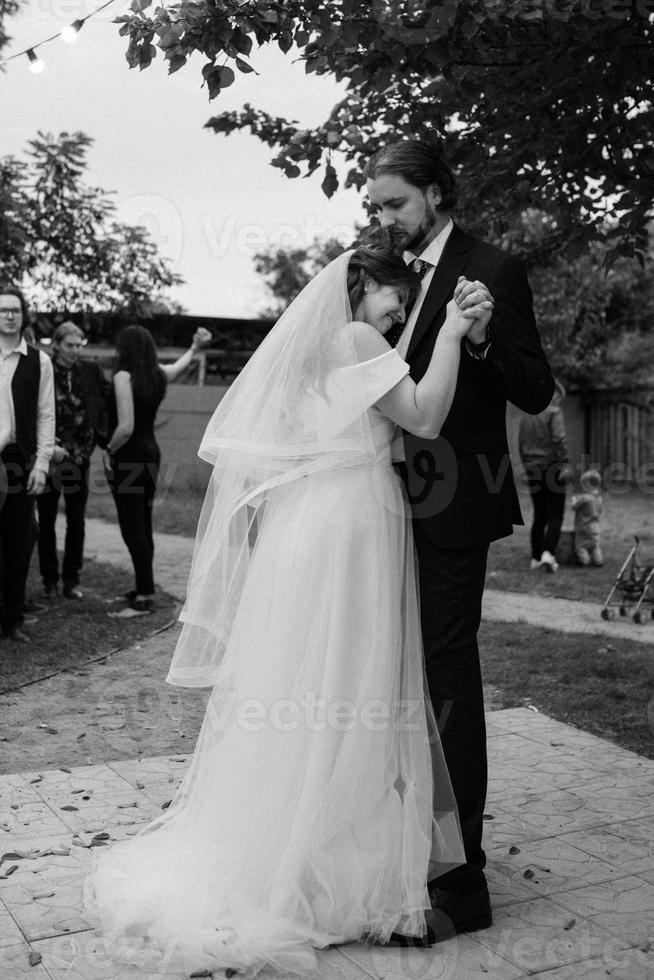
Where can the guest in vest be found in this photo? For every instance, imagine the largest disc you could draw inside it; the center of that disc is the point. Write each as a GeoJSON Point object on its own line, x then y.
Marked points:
{"type": "Point", "coordinates": [80, 393]}
{"type": "Point", "coordinates": [27, 427]}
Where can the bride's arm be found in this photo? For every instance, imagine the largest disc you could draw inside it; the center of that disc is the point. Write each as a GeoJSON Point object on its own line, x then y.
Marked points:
{"type": "Point", "coordinates": [422, 408]}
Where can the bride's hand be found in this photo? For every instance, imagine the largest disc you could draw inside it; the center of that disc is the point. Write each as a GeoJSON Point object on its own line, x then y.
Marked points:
{"type": "Point", "coordinates": [473, 299]}
{"type": "Point", "coordinates": [460, 322]}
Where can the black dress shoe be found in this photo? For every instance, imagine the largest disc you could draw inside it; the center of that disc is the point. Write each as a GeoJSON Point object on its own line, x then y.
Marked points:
{"type": "Point", "coordinates": [16, 635]}
{"type": "Point", "coordinates": [50, 590]}
{"type": "Point", "coordinates": [450, 914]}
{"type": "Point", "coordinates": [468, 911]}
{"type": "Point", "coordinates": [72, 592]}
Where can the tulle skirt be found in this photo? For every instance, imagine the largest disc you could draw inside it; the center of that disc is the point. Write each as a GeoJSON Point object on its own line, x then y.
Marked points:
{"type": "Point", "coordinates": [317, 803]}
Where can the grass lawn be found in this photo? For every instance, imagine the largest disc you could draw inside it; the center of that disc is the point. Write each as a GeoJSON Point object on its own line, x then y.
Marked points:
{"type": "Point", "coordinates": [71, 632]}
{"type": "Point", "coordinates": [625, 514]}
{"type": "Point", "coordinates": [604, 686]}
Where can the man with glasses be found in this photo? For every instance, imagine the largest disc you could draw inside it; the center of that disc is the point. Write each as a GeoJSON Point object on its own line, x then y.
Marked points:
{"type": "Point", "coordinates": [27, 427]}
{"type": "Point", "coordinates": [80, 393]}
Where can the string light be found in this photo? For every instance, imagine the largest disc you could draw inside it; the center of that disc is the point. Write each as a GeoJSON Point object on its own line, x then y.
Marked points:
{"type": "Point", "coordinates": [68, 34]}
{"type": "Point", "coordinates": [36, 65]}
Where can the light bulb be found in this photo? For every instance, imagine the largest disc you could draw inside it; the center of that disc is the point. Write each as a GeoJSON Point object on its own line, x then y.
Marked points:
{"type": "Point", "coordinates": [69, 33]}
{"type": "Point", "coordinates": [36, 65]}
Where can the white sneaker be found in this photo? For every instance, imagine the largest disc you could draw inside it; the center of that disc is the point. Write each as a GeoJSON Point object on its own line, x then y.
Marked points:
{"type": "Point", "coordinates": [534, 564]}
{"type": "Point", "coordinates": [549, 562]}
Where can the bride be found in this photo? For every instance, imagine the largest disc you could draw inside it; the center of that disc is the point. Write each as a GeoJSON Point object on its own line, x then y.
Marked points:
{"type": "Point", "coordinates": [317, 804]}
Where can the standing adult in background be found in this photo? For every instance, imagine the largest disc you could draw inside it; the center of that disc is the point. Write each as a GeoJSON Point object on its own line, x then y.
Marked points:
{"type": "Point", "coordinates": [132, 456]}
{"type": "Point", "coordinates": [460, 485]}
{"type": "Point", "coordinates": [80, 395]}
{"type": "Point", "coordinates": [544, 453]}
{"type": "Point", "coordinates": [27, 427]}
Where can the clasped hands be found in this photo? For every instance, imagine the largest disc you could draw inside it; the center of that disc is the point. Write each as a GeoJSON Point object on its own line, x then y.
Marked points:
{"type": "Point", "coordinates": [473, 301]}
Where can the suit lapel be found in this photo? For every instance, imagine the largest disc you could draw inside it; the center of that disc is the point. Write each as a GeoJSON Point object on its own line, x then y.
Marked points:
{"type": "Point", "coordinates": [452, 264]}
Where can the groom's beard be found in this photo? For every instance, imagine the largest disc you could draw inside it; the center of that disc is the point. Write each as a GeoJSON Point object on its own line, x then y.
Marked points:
{"type": "Point", "coordinates": [423, 235]}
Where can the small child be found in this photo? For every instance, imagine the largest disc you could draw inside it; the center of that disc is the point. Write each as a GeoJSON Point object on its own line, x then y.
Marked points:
{"type": "Point", "coordinates": [588, 509]}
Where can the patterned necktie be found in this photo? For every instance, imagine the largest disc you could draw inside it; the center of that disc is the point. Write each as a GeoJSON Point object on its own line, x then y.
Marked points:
{"type": "Point", "coordinates": [420, 267]}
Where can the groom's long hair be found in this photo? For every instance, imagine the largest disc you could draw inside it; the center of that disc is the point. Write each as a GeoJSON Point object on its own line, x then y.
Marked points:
{"type": "Point", "coordinates": [419, 163]}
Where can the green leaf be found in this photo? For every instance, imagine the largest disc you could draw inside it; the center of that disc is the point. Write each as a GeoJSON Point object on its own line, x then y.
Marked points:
{"type": "Point", "coordinates": [285, 41]}
{"type": "Point", "coordinates": [176, 62]}
{"type": "Point", "coordinates": [330, 183]}
{"type": "Point", "coordinates": [243, 66]}
{"type": "Point", "coordinates": [227, 76]}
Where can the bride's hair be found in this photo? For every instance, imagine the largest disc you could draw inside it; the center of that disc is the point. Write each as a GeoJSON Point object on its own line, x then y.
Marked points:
{"type": "Point", "coordinates": [380, 263]}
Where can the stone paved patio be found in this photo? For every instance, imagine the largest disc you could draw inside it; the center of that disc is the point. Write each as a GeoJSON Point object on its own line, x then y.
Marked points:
{"type": "Point", "coordinates": [568, 835]}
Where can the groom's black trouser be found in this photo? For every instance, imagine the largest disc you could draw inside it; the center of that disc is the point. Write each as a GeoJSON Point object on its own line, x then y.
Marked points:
{"type": "Point", "coordinates": [451, 587]}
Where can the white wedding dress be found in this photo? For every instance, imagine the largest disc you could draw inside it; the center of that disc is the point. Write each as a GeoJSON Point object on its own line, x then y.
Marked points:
{"type": "Point", "coordinates": [317, 803]}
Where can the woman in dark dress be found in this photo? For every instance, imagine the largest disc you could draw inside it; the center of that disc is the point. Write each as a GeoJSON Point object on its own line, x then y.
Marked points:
{"type": "Point", "coordinates": [132, 456]}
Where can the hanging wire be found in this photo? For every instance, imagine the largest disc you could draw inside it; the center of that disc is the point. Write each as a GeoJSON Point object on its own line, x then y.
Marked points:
{"type": "Point", "coordinates": [68, 33]}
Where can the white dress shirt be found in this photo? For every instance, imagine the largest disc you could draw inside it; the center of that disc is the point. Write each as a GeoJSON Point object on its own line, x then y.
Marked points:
{"type": "Point", "coordinates": [431, 254]}
{"type": "Point", "coordinates": [45, 423]}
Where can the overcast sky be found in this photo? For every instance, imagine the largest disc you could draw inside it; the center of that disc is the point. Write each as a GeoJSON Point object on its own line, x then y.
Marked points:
{"type": "Point", "coordinates": [210, 201]}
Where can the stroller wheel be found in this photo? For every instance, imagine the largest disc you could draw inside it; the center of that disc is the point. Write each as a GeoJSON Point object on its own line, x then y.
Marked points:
{"type": "Point", "coordinates": [639, 617]}
{"type": "Point", "coordinates": [607, 613]}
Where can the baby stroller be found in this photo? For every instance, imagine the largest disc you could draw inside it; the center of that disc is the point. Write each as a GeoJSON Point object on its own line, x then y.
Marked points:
{"type": "Point", "coordinates": [635, 588]}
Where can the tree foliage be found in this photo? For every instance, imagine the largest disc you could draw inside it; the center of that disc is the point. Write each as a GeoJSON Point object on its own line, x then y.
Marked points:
{"type": "Point", "coordinates": [542, 103]}
{"type": "Point", "coordinates": [59, 236]}
{"type": "Point", "coordinates": [7, 9]}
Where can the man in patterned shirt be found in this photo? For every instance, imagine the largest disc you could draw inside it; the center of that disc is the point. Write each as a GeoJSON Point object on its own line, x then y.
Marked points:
{"type": "Point", "coordinates": [80, 390]}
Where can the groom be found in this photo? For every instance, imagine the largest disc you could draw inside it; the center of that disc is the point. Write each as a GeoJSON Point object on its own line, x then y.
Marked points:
{"type": "Point", "coordinates": [460, 485]}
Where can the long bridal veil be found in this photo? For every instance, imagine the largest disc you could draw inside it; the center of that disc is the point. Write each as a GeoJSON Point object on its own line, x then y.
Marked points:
{"type": "Point", "coordinates": [297, 408]}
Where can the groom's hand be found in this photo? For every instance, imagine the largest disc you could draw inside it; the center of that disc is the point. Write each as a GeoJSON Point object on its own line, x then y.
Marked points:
{"type": "Point", "coordinates": [468, 294]}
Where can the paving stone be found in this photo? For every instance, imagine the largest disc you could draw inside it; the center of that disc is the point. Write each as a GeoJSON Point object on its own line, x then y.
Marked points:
{"type": "Point", "coordinates": [458, 958]}
{"type": "Point", "coordinates": [541, 935]}
{"type": "Point", "coordinates": [10, 934]}
{"type": "Point", "coordinates": [15, 789]}
{"type": "Point", "coordinates": [628, 846]}
{"type": "Point", "coordinates": [83, 956]}
{"type": "Point", "coordinates": [624, 907]}
{"type": "Point", "coordinates": [15, 964]}
{"type": "Point", "coordinates": [28, 820]}
{"type": "Point", "coordinates": [504, 889]}
{"type": "Point", "coordinates": [545, 778]}
{"type": "Point", "coordinates": [99, 780]}
{"type": "Point", "coordinates": [619, 798]}
{"type": "Point", "coordinates": [623, 964]}
{"type": "Point", "coordinates": [551, 865]}
{"type": "Point", "coordinates": [153, 770]}
{"type": "Point", "coordinates": [556, 813]}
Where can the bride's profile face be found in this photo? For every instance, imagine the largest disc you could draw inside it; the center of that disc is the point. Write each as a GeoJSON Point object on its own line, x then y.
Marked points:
{"type": "Point", "coordinates": [381, 306]}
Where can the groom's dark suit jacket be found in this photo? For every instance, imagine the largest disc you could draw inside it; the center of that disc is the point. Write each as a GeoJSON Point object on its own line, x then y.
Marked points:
{"type": "Point", "coordinates": [461, 484]}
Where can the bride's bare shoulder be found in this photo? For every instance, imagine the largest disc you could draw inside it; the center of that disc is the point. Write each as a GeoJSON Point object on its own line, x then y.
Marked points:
{"type": "Point", "coordinates": [368, 341]}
